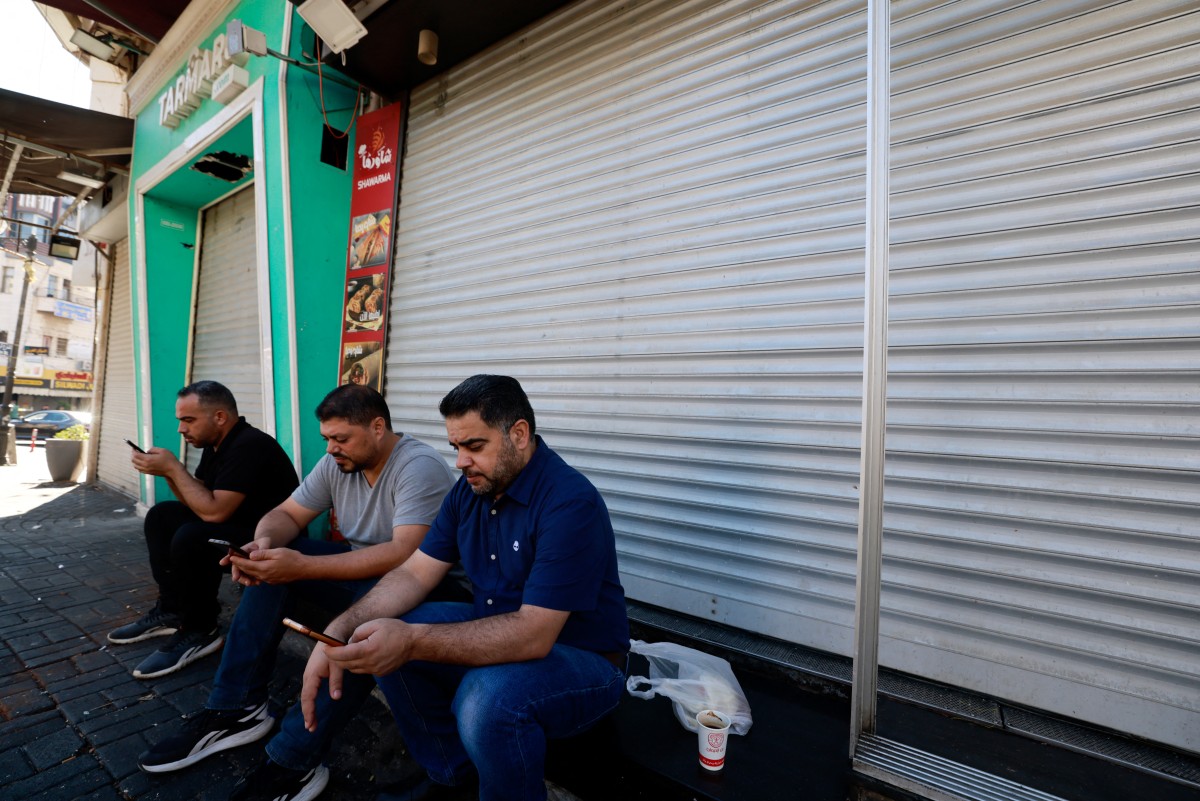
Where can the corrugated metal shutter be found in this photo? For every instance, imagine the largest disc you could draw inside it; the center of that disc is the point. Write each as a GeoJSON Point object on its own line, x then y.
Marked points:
{"type": "Point", "coordinates": [652, 215]}
{"type": "Point", "coordinates": [227, 343]}
{"type": "Point", "coordinates": [118, 412]}
{"type": "Point", "coordinates": [1043, 464]}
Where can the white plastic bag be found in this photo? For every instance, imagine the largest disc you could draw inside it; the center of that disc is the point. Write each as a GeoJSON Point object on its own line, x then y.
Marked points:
{"type": "Point", "coordinates": [693, 680]}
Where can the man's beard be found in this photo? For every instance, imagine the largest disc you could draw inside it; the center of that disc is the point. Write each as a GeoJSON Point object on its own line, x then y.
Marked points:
{"type": "Point", "coordinates": [348, 465]}
{"type": "Point", "coordinates": [508, 466]}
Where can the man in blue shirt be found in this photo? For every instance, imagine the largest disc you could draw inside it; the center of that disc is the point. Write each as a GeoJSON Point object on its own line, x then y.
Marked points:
{"type": "Point", "coordinates": [476, 689]}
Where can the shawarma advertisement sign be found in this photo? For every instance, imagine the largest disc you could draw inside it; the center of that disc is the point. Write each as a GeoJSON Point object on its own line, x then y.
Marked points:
{"type": "Point", "coordinates": [368, 264]}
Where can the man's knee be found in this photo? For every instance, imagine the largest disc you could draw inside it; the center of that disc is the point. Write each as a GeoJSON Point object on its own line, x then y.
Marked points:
{"type": "Point", "coordinates": [164, 520]}
{"type": "Point", "coordinates": [166, 515]}
{"type": "Point", "coordinates": [484, 705]}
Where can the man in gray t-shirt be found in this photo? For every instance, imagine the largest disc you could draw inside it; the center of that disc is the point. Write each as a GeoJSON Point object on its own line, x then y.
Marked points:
{"type": "Point", "coordinates": [384, 490]}
{"type": "Point", "coordinates": [412, 482]}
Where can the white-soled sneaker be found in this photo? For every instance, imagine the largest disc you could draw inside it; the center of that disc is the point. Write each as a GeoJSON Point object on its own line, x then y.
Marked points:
{"type": "Point", "coordinates": [155, 623]}
{"type": "Point", "coordinates": [205, 733]}
{"type": "Point", "coordinates": [184, 648]}
{"type": "Point", "coordinates": [272, 782]}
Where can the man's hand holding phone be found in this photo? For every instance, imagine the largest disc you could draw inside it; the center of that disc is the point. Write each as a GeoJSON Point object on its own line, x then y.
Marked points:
{"type": "Point", "coordinates": [268, 565]}
{"type": "Point", "coordinates": [154, 462]}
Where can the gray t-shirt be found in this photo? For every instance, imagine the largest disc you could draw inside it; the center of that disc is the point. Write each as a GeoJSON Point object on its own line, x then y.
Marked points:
{"type": "Point", "coordinates": [409, 492]}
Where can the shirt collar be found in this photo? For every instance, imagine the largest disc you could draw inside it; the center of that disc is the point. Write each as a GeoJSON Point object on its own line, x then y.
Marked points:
{"type": "Point", "coordinates": [522, 487]}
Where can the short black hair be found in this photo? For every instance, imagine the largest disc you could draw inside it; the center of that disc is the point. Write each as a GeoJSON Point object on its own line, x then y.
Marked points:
{"type": "Point", "coordinates": [498, 400]}
{"type": "Point", "coordinates": [212, 395]}
{"type": "Point", "coordinates": [355, 403]}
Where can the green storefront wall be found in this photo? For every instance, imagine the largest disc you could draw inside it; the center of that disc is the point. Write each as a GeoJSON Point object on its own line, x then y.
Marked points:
{"type": "Point", "coordinates": [301, 236]}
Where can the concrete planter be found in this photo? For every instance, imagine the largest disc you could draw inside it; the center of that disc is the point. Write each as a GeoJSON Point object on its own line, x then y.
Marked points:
{"type": "Point", "coordinates": [64, 458]}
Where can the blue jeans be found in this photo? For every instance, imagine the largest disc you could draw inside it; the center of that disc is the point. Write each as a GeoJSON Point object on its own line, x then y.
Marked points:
{"type": "Point", "coordinates": [495, 719]}
{"type": "Point", "coordinates": [249, 656]}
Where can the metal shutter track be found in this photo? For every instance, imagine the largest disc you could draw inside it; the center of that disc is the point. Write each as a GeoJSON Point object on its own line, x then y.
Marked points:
{"type": "Point", "coordinates": [118, 414]}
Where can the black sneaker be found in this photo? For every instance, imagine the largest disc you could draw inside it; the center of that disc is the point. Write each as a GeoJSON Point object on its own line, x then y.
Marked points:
{"type": "Point", "coordinates": [155, 623]}
{"type": "Point", "coordinates": [272, 782]}
{"type": "Point", "coordinates": [184, 648]}
{"type": "Point", "coordinates": [207, 732]}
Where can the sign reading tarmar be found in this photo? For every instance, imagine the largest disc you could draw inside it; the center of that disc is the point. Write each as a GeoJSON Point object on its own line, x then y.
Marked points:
{"type": "Point", "coordinates": [196, 83]}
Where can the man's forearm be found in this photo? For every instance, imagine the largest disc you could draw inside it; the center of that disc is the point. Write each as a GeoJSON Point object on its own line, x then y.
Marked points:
{"type": "Point", "coordinates": [512, 637]}
{"type": "Point", "coordinates": [197, 497]}
{"type": "Point", "coordinates": [362, 563]}
{"type": "Point", "coordinates": [277, 526]}
{"type": "Point", "coordinates": [396, 593]}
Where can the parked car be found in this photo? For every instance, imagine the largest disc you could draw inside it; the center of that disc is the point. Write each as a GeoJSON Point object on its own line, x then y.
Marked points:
{"type": "Point", "coordinates": [49, 422]}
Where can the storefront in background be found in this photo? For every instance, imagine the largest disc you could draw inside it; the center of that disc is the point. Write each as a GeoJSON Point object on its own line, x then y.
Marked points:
{"type": "Point", "coordinates": [237, 234]}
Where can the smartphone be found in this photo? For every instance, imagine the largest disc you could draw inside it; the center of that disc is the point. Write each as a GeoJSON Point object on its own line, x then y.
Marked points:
{"type": "Point", "coordinates": [134, 445]}
{"type": "Point", "coordinates": [230, 548]}
{"type": "Point", "coordinates": [307, 632]}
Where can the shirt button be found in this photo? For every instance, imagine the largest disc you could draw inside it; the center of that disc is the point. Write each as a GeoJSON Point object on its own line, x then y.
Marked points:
{"type": "Point", "coordinates": [493, 511]}
{"type": "Point", "coordinates": [489, 601]}
{"type": "Point", "coordinates": [493, 557]}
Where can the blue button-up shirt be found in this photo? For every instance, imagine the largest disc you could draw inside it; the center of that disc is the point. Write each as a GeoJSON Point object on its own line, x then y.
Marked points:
{"type": "Point", "coordinates": [547, 541]}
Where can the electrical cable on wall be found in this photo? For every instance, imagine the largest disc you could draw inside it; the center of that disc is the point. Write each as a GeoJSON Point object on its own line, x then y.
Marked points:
{"type": "Point", "coordinates": [321, 84]}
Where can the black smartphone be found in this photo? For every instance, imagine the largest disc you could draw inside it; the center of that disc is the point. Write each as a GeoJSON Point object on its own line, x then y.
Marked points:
{"type": "Point", "coordinates": [230, 548]}
{"type": "Point", "coordinates": [307, 632]}
{"type": "Point", "coordinates": [134, 445]}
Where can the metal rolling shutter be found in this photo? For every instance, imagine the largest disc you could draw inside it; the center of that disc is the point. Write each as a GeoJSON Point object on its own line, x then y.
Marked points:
{"type": "Point", "coordinates": [1043, 465]}
{"type": "Point", "coordinates": [652, 216]}
{"type": "Point", "coordinates": [118, 412]}
{"type": "Point", "coordinates": [227, 344]}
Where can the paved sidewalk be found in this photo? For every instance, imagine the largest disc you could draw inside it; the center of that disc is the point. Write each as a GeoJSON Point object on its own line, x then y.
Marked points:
{"type": "Point", "coordinates": [73, 720]}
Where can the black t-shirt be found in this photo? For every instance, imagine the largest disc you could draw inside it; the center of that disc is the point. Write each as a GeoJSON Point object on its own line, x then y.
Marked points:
{"type": "Point", "coordinates": [253, 463]}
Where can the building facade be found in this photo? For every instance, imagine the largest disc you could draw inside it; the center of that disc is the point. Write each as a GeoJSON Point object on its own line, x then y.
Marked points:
{"type": "Point", "coordinates": [655, 216]}
{"type": "Point", "coordinates": [54, 367]}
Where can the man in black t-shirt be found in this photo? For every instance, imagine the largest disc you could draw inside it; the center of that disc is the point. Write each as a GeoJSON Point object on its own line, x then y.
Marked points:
{"type": "Point", "coordinates": [242, 475]}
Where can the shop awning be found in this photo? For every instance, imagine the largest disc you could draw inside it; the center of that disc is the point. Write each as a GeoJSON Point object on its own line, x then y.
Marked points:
{"type": "Point", "coordinates": [149, 19]}
{"type": "Point", "coordinates": [56, 139]}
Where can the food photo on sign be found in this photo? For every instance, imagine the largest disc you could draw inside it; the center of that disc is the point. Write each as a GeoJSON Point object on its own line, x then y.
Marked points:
{"type": "Point", "coordinates": [362, 363]}
{"type": "Point", "coordinates": [370, 237]}
{"type": "Point", "coordinates": [364, 302]}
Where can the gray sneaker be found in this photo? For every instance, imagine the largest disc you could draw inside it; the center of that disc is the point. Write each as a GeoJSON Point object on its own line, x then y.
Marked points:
{"type": "Point", "coordinates": [184, 648]}
{"type": "Point", "coordinates": [155, 623]}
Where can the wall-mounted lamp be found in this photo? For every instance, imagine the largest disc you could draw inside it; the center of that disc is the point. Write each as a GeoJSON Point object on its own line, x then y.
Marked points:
{"type": "Point", "coordinates": [427, 47]}
{"type": "Point", "coordinates": [82, 180]}
{"type": "Point", "coordinates": [333, 21]}
{"type": "Point", "coordinates": [102, 46]}
{"type": "Point", "coordinates": [64, 247]}
{"type": "Point", "coordinates": [90, 44]}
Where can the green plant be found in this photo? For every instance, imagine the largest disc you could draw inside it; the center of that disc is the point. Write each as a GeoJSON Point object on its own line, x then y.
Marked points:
{"type": "Point", "coordinates": [74, 432]}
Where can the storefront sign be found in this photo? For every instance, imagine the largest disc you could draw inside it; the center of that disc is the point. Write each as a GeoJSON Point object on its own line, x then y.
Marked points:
{"type": "Point", "coordinates": [72, 311]}
{"type": "Point", "coordinates": [35, 350]}
{"type": "Point", "coordinates": [196, 83]}
{"type": "Point", "coordinates": [368, 263]}
{"type": "Point", "coordinates": [71, 380]}
{"type": "Point", "coordinates": [30, 367]}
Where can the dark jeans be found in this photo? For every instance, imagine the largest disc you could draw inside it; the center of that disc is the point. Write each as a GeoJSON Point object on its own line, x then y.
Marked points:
{"type": "Point", "coordinates": [250, 647]}
{"type": "Point", "coordinates": [184, 564]}
{"type": "Point", "coordinates": [494, 719]}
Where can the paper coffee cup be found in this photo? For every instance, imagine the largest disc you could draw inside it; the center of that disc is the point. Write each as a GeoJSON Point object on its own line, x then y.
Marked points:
{"type": "Point", "coordinates": [714, 732]}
